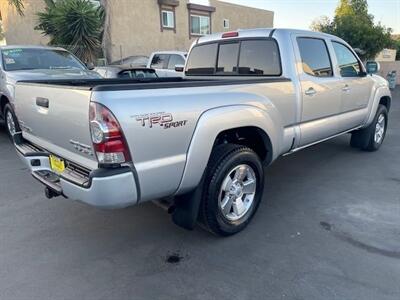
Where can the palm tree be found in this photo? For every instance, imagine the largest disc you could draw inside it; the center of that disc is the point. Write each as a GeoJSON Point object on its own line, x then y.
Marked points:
{"type": "Point", "coordinates": [19, 6]}
{"type": "Point", "coordinates": [74, 24]}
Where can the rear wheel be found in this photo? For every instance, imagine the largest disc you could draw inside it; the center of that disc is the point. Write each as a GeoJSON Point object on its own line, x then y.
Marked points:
{"type": "Point", "coordinates": [233, 189]}
{"type": "Point", "coordinates": [372, 137]}
{"type": "Point", "coordinates": [11, 121]}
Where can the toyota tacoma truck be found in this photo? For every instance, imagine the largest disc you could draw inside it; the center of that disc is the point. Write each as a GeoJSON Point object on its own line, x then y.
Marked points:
{"type": "Point", "coordinates": [200, 143]}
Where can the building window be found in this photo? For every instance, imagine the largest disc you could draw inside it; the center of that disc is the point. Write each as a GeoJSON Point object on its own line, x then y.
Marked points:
{"type": "Point", "coordinates": [168, 19]}
{"type": "Point", "coordinates": [200, 25]}
{"type": "Point", "coordinates": [226, 24]}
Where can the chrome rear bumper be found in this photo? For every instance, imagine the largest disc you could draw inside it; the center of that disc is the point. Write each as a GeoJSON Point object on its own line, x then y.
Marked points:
{"type": "Point", "coordinates": [105, 188]}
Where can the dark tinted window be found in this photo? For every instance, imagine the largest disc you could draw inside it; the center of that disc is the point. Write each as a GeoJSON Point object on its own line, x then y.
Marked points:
{"type": "Point", "coordinates": [259, 58]}
{"type": "Point", "coordinates": [175, 60]}
{"type": "Point", "coordinates": [255, 57]}
{"type": "Point", "coordinates": [159, 61]}
{"type": "Point", "coordinates": [228, 58]}
{"type": "Point", "coordinates": [202, 60]}
{"type": "Point", "coordinates": [348, 63]}
{"type": "Point", "coordinates": [315, 57]}
{"type": "Point", "coordinates": [135, 74]}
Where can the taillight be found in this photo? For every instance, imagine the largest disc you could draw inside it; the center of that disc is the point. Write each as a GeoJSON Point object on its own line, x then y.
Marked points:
{"type": "Point", "coordinates": [107, 137]}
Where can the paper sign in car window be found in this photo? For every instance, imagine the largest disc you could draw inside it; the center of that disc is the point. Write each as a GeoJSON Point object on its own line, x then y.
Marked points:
{"type": "Point", "coordinates": [13, 52]}
{"type": "Point", "coordinates": [9, 61]}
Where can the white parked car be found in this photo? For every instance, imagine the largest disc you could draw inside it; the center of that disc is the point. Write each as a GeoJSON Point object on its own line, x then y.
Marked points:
{"type": "Point", "coordinates": [125, 72]}
{"type": "Point", "coordinates": [164, 62]}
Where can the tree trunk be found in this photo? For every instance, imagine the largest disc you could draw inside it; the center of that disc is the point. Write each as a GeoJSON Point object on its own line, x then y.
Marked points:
{"type": "Point", "coordinates": [107, 43]}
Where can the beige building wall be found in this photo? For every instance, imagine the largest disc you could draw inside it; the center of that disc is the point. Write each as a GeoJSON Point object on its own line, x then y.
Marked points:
{"type": "Point", "coordinates": [20, 30]}
{"type": "Point", "coordinates": [389, 66]}
{"type": "Point", "coordinates": [386, 55]}
{"type": "Point", "coordinates": [240, 17]}
{"type": "Point", "coordinates": [135, 28]}
{"type": "Point", "coordinates": [135, 25]}
{"type": "Point", "coordinates": [139, 31]}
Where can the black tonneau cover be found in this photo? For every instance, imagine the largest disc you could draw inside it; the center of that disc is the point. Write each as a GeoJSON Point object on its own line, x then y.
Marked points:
{"type": "Point", "coordinates": [106, 84]}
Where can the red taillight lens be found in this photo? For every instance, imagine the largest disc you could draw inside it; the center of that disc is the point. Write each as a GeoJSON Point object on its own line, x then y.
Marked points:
{"type": "Point", "coordinates": [107, 136]}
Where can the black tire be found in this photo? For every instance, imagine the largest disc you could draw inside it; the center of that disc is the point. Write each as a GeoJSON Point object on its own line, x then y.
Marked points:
{"type": "Point", "coordinates": [8, 110]}
{"type": "Point", "coordinates": [364, 139]}
{"type": "Point", "coordinates": [224, 159]}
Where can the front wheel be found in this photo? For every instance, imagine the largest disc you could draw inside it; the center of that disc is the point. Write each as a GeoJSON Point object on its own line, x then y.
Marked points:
{"type": "Point", "coordinates": [372, 137]}
{"type": "Point", "coordinates": [233, 189]}
{"type": "Point", "coordinates": [12, 125]}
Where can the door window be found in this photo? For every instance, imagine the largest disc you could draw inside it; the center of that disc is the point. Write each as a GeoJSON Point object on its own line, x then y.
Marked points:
{"type": "Point", "coordinates": [348, 63]}
{"type": "Point", "coordinates": [315, 57]}
{"type": "Point", "coordinates": [175, 60]}
{"type": "Point", "coordinates": [160, 61]}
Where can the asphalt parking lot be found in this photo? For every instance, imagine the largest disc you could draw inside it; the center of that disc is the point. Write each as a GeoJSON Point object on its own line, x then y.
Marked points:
{"type": "Point", "coordinates": [328, 228]}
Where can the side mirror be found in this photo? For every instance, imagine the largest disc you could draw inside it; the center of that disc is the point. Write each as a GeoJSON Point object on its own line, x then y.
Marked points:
{"type": "Point", "coordinates": [179, 68]}
{"type": "Point", "coordinates": [373, 67]}
{"type": "Point", "coordinates": [90, 66]}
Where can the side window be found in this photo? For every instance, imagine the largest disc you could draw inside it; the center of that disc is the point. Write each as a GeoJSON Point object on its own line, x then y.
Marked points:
{"type": "Point", "coordinates": [175, 60]}
{"type": "Point", "coordinates": [202, 60]}
{"type": "Point", "coordinates": [348, 62]}
{"type": "Point", "coordinates": [315, 57]}
{"type": "Point", "coordinates": [159, 61]}
{"type": "Point", "coordinates": [228, 58]}
{"type": "Point", "coordinates": [125, 74]}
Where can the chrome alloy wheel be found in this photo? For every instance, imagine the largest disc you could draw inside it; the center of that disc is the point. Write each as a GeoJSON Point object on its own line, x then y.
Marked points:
{"type": "Point", "coordinates": [380, 128]}
{"type": "Point", "coordinates": [10, 123]}
{"type": "Point", "coordinates": [237, 192]}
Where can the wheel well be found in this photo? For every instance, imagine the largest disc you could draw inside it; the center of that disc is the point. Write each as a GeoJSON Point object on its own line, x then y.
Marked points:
{"type": "Point", "coordinates": [386, 101]}
{"type": "Point", "coordinates": [252, 137]}
{"type": "Point", "coordinates": [3, 102]}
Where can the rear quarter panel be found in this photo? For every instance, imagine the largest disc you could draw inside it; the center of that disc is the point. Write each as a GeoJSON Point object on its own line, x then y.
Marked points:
{"type": "Point", "coordinates": [159, 153]}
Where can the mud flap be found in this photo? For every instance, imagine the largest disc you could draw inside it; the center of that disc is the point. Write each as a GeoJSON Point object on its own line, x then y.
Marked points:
{"type": "Point", "coordinates": [187, 208]}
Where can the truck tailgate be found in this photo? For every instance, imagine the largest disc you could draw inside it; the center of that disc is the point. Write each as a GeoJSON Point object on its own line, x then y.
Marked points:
{"type": "Point", "coordinates": [56, 118]}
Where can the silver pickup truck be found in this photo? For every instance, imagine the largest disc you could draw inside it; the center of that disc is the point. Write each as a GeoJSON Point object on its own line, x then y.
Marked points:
{"type": "Point", "coordinates": [201, 142]}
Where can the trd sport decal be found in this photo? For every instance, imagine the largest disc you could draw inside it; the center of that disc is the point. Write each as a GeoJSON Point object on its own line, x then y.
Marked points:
{"type": "Point", "coordinates": [165, 120]}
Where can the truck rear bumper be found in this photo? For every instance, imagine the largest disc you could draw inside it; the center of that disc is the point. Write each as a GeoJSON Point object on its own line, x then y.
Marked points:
{"type": "Point", "coordinates": [105, 188]}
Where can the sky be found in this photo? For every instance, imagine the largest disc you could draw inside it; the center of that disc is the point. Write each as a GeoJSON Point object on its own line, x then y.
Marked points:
{"type": "Point", "coordinates": [299, 14]}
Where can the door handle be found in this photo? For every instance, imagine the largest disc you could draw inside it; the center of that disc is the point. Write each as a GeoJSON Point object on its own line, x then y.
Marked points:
{"type": "Point", "coordinates": [346, 88]}
{"type": "Point", "coordinates": [42, 102]}
{"type": "Point", "coordinates": [310, 92]}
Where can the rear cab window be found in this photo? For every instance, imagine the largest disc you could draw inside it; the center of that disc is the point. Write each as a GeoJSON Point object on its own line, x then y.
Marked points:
{"type": "Point", "coordinates": [239, 57]}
